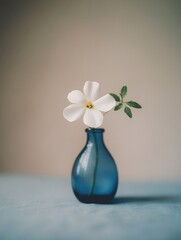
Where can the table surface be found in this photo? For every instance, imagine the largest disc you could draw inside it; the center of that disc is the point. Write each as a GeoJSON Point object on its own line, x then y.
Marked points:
{"type": "Point", "coordinates": [42, 208]}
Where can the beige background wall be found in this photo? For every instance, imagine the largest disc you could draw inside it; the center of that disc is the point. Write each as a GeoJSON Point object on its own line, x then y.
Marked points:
{"type": "Point", "coordinates": [48, 48]}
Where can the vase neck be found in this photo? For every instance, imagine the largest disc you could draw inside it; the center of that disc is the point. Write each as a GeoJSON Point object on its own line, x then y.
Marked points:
{"type": "Point", "coordinates": [95, 134]}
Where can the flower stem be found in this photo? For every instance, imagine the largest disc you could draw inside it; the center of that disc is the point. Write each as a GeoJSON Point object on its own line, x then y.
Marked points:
{"type": "Point", "coordinates": [95, 168]}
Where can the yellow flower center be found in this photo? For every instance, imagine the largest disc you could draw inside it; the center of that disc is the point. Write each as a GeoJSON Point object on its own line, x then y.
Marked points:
{"type": "Point", "coordinates": [89, 104]}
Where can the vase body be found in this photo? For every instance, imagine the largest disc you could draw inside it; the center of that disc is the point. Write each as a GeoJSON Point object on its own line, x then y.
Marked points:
{"type": "Point", "coordinates": [94, 173]}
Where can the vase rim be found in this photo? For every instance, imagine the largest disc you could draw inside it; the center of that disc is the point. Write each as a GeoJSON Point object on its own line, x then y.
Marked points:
{"type": "Point", "coordinates": [94, 129]}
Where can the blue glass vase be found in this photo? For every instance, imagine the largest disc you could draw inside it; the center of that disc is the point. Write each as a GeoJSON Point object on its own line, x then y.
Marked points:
{"type": "Point", "coordinates": [94, 173]}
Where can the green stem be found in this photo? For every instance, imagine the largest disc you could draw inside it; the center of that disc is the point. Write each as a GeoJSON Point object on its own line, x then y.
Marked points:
{"type": "Point", "coordinates": [95, 169]}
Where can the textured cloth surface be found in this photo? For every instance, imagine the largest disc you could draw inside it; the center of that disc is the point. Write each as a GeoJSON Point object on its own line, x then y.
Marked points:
{"type": "Point", "coordinates": [39, 208]}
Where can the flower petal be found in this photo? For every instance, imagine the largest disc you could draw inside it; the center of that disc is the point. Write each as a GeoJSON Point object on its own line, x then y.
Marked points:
{"type": "Point", "coordinates": [91, 90]}
{"type": "Point", "coordinates": [93, 118]}
{"type": "Point", "coordinates": [105, 103]}
{"type": "Point", "coordinates": [73, 112]}
{"type": "Point", "coordinates": [76, 96]}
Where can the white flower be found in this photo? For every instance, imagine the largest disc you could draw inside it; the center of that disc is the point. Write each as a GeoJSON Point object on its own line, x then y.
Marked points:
{"type": "Point", "coordinates": [88, 105]}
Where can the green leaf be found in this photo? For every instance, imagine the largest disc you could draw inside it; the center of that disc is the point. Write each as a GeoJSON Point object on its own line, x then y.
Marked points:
{"type": "Point", "coordinates": [123, 91]}
{"type": "Point", "coordinates": [116, 97]}
{"type": "Point", "coordinates": [133, 104]}
{"type": "Point", "coordinates": [119, 106]}
{"type": "Point", "coordinates": [127, 110]}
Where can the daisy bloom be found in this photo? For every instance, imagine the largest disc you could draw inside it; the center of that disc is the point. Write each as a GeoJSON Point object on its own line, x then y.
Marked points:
{"type": "Point", "coordinates": [86, 104]}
